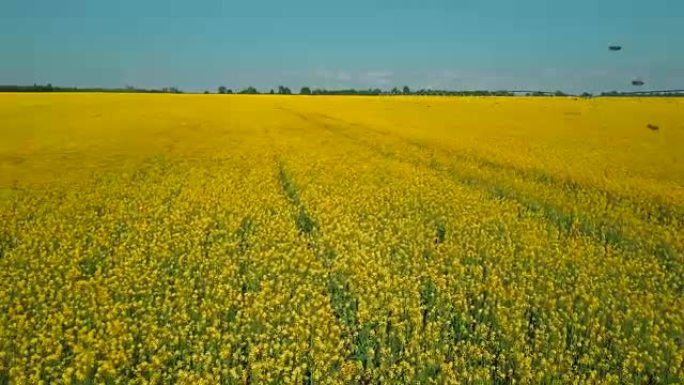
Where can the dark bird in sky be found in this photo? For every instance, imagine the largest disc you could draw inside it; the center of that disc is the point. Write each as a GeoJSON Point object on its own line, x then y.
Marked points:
{"type": "Point", "coordinates": [615, 48]}
{"type": "Point", "coordinates": [638, 83]}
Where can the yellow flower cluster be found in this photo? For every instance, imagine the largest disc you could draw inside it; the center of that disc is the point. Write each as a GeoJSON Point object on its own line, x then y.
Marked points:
{"type": "Point", "coordinates": [238, 239]}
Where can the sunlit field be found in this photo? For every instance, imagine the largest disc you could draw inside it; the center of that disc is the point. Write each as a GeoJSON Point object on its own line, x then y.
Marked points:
{"type": "Point", "coordinates": [236, 239]}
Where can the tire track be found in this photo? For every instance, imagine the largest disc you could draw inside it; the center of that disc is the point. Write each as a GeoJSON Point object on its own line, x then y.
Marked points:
{"type": "Point", "coordinates": [653, 211]}
{"type": "Point", "coordinates": [607, 233]}
{"type": "Point", "coordinates": [344, 305]}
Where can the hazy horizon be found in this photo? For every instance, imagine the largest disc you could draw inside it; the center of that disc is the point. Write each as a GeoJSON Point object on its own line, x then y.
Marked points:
{"type": "Point", "coordinates": [471, 45]}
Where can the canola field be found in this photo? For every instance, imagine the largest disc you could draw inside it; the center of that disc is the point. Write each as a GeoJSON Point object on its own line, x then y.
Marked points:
{"type": "Point", "coordinates": [238, 239]}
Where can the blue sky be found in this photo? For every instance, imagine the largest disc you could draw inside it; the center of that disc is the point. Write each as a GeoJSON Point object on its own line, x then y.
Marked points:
{"type": "Point", "coordinates": [455, 44]}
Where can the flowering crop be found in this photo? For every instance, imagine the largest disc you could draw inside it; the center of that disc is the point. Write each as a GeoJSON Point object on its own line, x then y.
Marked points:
{"type": "Point", "coordinates": [238, 239]}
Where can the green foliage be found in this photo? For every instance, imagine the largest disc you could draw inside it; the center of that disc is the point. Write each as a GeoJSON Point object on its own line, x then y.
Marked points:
{"type": "Point", "coordinates": [352, 91]}
{"type": "Point", "coordinates": [428, 299]}
{"type": "Point", "coordinates": [288, 187]}
{"type": "Point", "coordinates": [243, 233]}
{"type": "Point", "coordinates": [250, 91]}
{"type": "Point", "coordinates": [440, 233]}
{"type": "Point", "coordinates": [304, 222]}
{"type": "Point", "coordinates": [342, 301]}
{"type": "Point", "coordinates": [172, 90]}
{"type": "Point", "coordinates": [6, 244]}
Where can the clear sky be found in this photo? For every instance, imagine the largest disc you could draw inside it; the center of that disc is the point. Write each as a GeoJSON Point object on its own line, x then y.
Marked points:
{"type": "Point", "coordinates": [451, 44]}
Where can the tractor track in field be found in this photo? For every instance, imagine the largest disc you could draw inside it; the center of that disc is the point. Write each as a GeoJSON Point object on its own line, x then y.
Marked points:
{"type": "Point", "coordinates": [662, 213]}
{"type": "Point", "coordinates": [343, 303]}
{"type": "Point", "coordinates": [607, 233]}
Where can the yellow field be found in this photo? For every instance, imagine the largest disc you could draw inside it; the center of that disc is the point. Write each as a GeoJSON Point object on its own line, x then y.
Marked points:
{"type": "Point", "coordinates": [225, 239]}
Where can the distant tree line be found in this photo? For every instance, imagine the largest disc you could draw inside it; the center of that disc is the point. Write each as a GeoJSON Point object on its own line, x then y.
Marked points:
{"type": "Point", "coordinates": [50, 88]}
{"type": "Point", "coordinates": [283, 90]}
{"type": "Point", "coordinates": [224, 90]}
{"type": "Point", "coordinates": [661, 93]}
{"type": "Point", "coordinates": [407, 91]}
{"type": "Point", "coordinates": [351, 91]}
